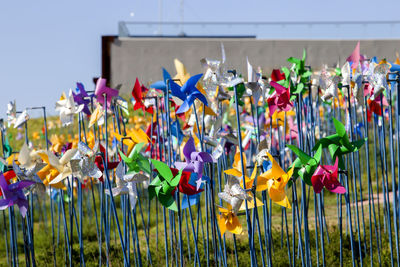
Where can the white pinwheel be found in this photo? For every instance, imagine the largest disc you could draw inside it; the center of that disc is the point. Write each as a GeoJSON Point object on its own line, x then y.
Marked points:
{"type": "Point", "coordinates": [66, 107]}
{"type": "Point", "coordinates": [234, 194]}
{"type": "Point", "coordinates": [126, 184]}
{"type": "Point", "coordinates": [62, 165]}
{"type": "Point", "coordinates": [83, 162]}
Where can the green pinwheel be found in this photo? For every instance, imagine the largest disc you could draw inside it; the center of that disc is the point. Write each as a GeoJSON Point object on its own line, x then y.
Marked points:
{"type": "Point", "coordinates": [339, 144]}
{"type": "Point", "coordinates": [164, 184]}
{"type": "Point", "coordinates": [300, 75]}
{"type": "Point", "coordinates": [305, 165]}
{"type": "Point", "coordinates": [136, 162]}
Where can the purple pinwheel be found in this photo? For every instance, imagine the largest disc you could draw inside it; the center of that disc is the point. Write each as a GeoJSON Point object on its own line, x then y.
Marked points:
{"type": "Point", "coordinates": [102, 89]}
{"type": "Point", "coordinates": [13, 194]}
{"type": "Point", "coordinates": [81, 98]}
{"type": "Point", "coordinates": [188, 93]}
{"type": "Point", "coordinates": [194, 161]}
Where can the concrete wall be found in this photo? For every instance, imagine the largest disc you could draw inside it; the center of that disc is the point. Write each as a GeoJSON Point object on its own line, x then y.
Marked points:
{"type": "Point", "coordinates": [143, 57]}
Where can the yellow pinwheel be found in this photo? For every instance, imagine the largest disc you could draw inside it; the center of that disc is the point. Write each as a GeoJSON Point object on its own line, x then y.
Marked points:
{"type": "Point", "coordinates": [228, 221]}
{"type": "Point", "coordinates": [57, 143]}
{"type": "Point", "coordinates": [97, 114]}
{"type": "Point", "coordinates": [133, 137]}
{"type": "Point", "coordinates": [274, 180]}
{"type": "Point", "coordinates": [237, 172]}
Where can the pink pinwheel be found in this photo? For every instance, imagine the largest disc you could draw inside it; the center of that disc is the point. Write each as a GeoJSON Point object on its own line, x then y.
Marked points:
{"type": "Point", "coordinates": [13, 194]}
{"type": "Point", "coordinates": [354, 58]}
{"type": "Point", "coordinates": [194, 160]}
{"type": "Point", "coordinates": [102, 89]}
{"type": "Point", "coordinates": [280, 99]}
{"type": "Point", "coordinates": [326, 175]}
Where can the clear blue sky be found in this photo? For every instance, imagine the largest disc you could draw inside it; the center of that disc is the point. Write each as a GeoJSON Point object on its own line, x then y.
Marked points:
{"type": "Point", "coordinates": [46, 46]}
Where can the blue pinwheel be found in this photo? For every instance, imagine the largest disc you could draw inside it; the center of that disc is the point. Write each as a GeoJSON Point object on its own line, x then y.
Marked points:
{"type": "Point", "coordinates": [162, 85]}
{"type": "Point", "coordinates": [187, 93]}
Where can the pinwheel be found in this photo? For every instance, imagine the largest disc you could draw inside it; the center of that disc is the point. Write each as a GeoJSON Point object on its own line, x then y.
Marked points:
{"type": "Point", "coordinates": [11, 113]}
{"type": "Point", "coordinates": [188, 93]}
{"type": "Point", "coordinates": [124, 187]}
{"type": "Point", "coordinates": [137, 93]}
{"type": "Point", "coordinates": [236, 171]}
{"type": "Point", "coordinates": [162, 85]}
{"type": "Point", "coordinates": [214, 73]}
{"type": "Point", "coordinates": [181, 72]}
{"type": "Point", "coordinates": [135, 161]}
{"type": "Point", "coordinates": [66, 107]}
{"type": "Point", "coordinates": [326, 175]}
{"type": "Point", "coordinates": [132, 138]}
{"type": "Point", "coordinates": [99, 162]}
{"type": "Point", "coordinates": [379, 81]}
{"type": "Point", "coordinates": [329, 85]}
{"type": "Point", "coordinates": [189, 200]}
{"type": "Point", "coordinates": [299, 74]}
{"type": "Point", "coordinates": [97, 116]}
{"type": "Point", "coordinates": [234, 194]}
{"type": "Point", "coordinates": [277, 75]}
{"type": "Point", "coordinates": [280, 100]}
{"type": "Point", "coordinates": [305, 165]}
{"type": "Point", "coordinates": [374, 105]}
{"type": "Point", "coordinates": [81, 98]}
{"type": "Point", "coordinates": [21, 119]}
{"type": "Point", "coordinates": [237, 166]}
{"type": "Point", "coordinates": [164, 184]}
{"type": "Point", "coordinates": [194, 160]}
{"type": "Point", "coordinates": [346, 74]}
{"type": "Point", "coordinates": [354, 58]}
{"type": "Point", "coordinates": [185, 185]}
{"type": "Point", "coordinates": [56, 142]}
{"type": "Point", "coordinates": [254, 87]}
{"type": "Point", "coordinates": [13, 194]}
{"type": "Point", "coordinates": [228, 221]}
{"type": "Point", "coordinates": [30, 175]}
{"type": "Point", "coordinates": [274, 180]}
{"type": "Point", "coordinates": [8, 176]}
{"type": "Point", "coordinates": [28, 158]}
{"type": "Point", "coordinates": [62, 165]}
{"type": "Point", "coordinates": [102, 89]}
{"type": "Point", "coordinates": [83, 162]}
{"type": "Point", "coordinates": [339, 144]}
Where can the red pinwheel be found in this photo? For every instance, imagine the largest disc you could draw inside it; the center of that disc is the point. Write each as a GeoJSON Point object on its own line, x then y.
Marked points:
{"type": "Point", "coordinates": [280, 99]}
{"type": "Point", "coordinates": [326, 175]}
{"type": "Point", "coordinates": [185, 187]}
{"type": "Point", "coordinates": [277, 75]}
{"type": "Point", "coordinates": [137, 93]}
{"type": "Point", "coordinates": [13, 194]}
{"type": "Point", "coordinates": [99, 163]}
{"type": "Point", "coordinates": [102, 89]}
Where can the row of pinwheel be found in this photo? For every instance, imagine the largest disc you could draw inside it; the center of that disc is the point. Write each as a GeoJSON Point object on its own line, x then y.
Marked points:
{"type": "Point", "coordinates": [176, 135]}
